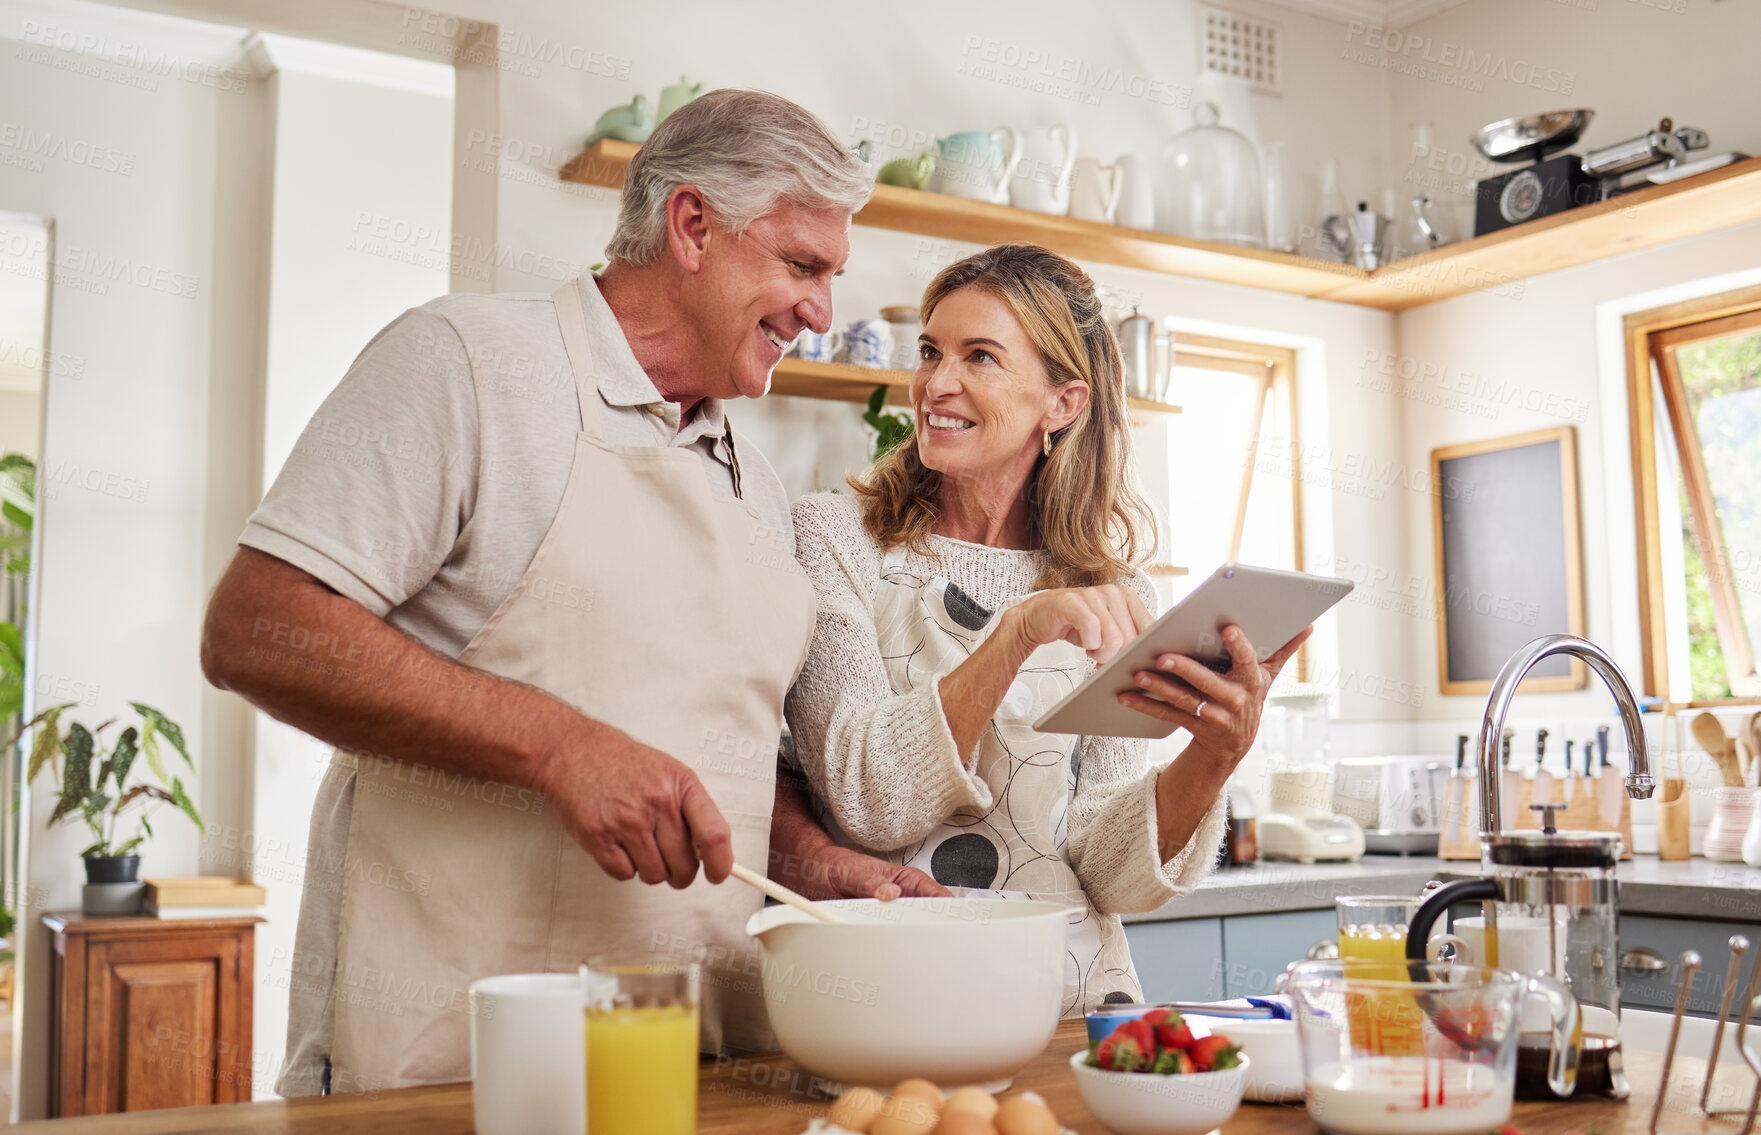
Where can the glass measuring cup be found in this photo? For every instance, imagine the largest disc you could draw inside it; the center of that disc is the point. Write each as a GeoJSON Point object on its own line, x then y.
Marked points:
{"type": "Point", "coordinates": [1431, 1055]}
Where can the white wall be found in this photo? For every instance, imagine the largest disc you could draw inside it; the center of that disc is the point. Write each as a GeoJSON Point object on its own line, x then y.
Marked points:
{"type": "Point", "coordinates": [1633, 62]}
{"type": "Point", "coordinates": [1550, 339]}
{"type": "Point", "coordinates": [354, 136]}
{"type": "Point", "coordinates": [124, 158]}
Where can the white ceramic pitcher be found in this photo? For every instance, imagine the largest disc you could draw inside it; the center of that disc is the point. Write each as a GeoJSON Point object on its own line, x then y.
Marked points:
{"type": "Point", "coordinates": [1042, 179]}
{"type": "Point", "coordinates": [1094, 190]}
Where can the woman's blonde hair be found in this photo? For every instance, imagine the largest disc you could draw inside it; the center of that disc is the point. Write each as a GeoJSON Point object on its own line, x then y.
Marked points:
{"type": "Point", "coordinates": [1085, 510]}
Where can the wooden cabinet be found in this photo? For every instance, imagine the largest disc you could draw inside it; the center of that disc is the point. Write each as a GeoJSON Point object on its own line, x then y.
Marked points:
{"type": "Point", "coordinates": [149, 1014]}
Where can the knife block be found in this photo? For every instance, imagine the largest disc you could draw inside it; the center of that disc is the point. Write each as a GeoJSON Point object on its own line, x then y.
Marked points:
{"type": "Point", "coordinates": [1582, 814]}
{"type": "Point", "coordinates": [1458, 836]}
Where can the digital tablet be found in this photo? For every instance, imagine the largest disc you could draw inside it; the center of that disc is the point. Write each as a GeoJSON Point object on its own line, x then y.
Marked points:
{"type": "Point", "coordinates": [1271, 606]}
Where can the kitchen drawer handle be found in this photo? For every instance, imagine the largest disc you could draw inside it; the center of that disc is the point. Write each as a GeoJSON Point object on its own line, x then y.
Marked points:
{"type": "Point", "coordinates": [1643, 960]}
{"type": "Point", "coordinates": [1325, 948]}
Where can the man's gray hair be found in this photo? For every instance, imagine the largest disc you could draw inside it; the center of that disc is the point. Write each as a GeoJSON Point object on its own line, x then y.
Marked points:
{"type": "Point", "coordinates": [744, 151]}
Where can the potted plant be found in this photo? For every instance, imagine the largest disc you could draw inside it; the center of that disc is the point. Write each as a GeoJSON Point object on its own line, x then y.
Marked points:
{"type": "Point", "coordinates": [100, 801]}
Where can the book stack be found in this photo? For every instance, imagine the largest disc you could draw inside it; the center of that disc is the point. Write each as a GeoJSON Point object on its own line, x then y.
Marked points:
{"type": "Point", "coordinates": [205, 896]}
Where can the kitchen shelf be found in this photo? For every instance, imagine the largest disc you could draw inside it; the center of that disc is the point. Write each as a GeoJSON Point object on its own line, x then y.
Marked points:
{"type": "Point", "coordinates": [975, 222]}
{"type": "Point", "coordinates": [1498, 261]}
{"type": "Point", "coordinates": [842, 382]}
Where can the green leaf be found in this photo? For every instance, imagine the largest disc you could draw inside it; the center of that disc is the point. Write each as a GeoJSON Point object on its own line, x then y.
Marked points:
{"type": "Point", "coordinates": [15, 514]}
{"type": "Point", "coordinates": [890, 428]}
{"type": "Point", "coordinates": [11, 648]}
{"type": "Point", "coordinates": [188, 805]}
{"type": "Point", "coordinates": [47, 744]}
{"type": "Point", "coordinates": [129, 847]}
{"type": "Point", "coordinates": [11, 697]}
{"type": "Point", "coordinates": [65, 806]}
{"type": "Point", "coordinates": [150, 747]}
{"type": "Point", "coordinates": [76, 774]}
{"type": "Point", "coordinates": [122, 758]}
{"type": "Point", "coordinates": [172, 732]}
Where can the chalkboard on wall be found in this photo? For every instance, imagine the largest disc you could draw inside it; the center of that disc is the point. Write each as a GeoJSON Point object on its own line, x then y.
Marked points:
{"type": "Point", "coordinates": [1509, 560]}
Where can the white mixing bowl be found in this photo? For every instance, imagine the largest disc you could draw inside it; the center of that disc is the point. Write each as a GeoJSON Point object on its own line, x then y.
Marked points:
{"type": "Point", "coordinates": [959, 991]}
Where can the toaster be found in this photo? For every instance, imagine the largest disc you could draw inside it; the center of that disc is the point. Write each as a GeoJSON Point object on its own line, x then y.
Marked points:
{"type": "Point", "coordinates": [1398, 801]}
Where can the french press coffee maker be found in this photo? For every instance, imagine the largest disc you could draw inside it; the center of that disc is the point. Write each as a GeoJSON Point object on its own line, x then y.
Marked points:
{"type": "Point", "coordinates": [1550, 898]}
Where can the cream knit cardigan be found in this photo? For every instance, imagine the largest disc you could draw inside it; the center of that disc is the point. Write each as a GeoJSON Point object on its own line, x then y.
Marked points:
{"type": "Point", "coordinates": [885, 763]}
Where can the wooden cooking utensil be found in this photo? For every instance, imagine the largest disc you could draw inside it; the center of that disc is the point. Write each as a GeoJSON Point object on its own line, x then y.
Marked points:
{"type": "Point", "coordinates": [784, 895]}
{"type": "Point", "coordinates": [1709, 731]}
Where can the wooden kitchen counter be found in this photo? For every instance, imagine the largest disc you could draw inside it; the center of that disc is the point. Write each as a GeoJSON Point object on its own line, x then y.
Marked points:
{"type": "Point", "coordinates": [770, 1096]}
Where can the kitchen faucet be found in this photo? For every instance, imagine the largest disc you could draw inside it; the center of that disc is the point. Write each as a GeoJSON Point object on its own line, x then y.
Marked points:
{"type": "Point", "coordinates": [1639, 781]}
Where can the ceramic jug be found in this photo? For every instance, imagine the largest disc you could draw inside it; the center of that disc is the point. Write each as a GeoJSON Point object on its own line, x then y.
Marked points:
{"type": "Point", "coordinates": [1137, 194]}
{"type": "Point", "coordinates": [1094, 190]}
{"type": "Point", "coordinates": [675, 96]}
{"type": "Point", "coordinates": [908, 173]}
{"type": "Point", "coordinates": [977, 164]}
{"type": "Point", "coordinates": [1042, 179]}
{"type": "Point", "coordinates": [632, 122]}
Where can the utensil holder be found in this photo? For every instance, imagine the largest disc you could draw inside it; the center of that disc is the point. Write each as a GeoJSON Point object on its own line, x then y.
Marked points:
{"type": "Point", "coordinates": [1732, 809]}
{"type": "Point", "coordinates": [1752, 838]}
{"type": "Point", "coordinates": [1673, 820]}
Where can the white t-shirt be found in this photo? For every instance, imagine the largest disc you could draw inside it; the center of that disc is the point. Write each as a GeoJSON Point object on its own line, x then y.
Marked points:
{"type": "Point", "coordinates": [421, 490]}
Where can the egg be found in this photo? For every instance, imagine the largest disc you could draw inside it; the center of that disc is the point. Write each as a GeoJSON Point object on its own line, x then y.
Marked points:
{"type": "Point", "coordinates": [908, 1113]}
{"type": "Point", "coordinates": [956, 1121]}
{"type": "Point", "coordinates": [1020, 1115]}
{"type": "Point", "coordinates": [856, 1109]}
{"type": "Point", "coordinates": [919, 1088]}
{"type": "Point", "coordinates": [975, 1100]}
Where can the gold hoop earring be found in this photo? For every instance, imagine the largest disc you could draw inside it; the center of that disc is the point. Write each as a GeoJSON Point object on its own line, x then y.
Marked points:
{"type": "Point", "coordinates": [1046, 442]}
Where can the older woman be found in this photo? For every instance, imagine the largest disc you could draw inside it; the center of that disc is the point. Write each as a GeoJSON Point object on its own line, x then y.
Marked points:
{"type": "Point", "coordinates": [982, 569]}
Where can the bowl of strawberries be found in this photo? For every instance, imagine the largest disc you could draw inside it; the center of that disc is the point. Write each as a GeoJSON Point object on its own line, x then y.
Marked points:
{"type": "Point", "coordinates": [1152, 1076]}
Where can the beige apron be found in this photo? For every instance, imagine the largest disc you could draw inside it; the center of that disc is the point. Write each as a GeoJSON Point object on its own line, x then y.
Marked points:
{"type": "Point", "coordinates": [652, 605]}
{"type": "Point", "coordinates": [928, 626]}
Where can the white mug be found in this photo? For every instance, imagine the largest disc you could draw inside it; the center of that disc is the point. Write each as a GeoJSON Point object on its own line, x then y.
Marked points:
{"type": "Point", "coordinates": [528, 1054]}
{"type": "Point", "coordinates": [1042, 179]}
{"type": "Point", "coordinates": [1094, 190]}
{"type": "Point", "coordinates": [1137, 194]}
{"type": "Point", "coordinates": [1522, 944]}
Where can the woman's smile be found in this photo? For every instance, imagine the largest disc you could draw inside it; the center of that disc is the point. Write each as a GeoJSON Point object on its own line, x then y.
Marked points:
{"type": "Point", "coordinates": [943, 424]}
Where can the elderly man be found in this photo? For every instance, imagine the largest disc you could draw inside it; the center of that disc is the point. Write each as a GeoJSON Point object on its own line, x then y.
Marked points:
{"type": "Point", "coordinates": [550, 612]}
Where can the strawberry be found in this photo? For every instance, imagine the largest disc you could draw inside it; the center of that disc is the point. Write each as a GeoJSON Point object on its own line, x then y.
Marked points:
{"type": "Point", "coordinates": [1141, 1033]}
{"type": "Point", "coordinates": [1173, 1062]}
{"type": "Point", "coordinates": [1214, 1052]}
{"type": "Point", "coordinates": [1124, 1050]}
{"type": "Point", "coordinates": [1155, 1017]}
{"type": "Point", "coordinates": [1174, 1033]}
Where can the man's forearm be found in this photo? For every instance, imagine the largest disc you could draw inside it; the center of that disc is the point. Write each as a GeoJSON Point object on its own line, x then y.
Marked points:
{"type": "Point", "coordinates": [327, 666]}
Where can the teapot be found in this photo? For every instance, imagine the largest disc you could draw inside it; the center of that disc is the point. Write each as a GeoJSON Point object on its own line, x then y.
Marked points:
{"type": "Point", "coordinates": [632, 122]}
{"type": "Point", "coordinates": [908, 173]}
{"type": "Point", "coordinates": [677, 95]}
{"type": "Point", "coordinates": [977, 164]}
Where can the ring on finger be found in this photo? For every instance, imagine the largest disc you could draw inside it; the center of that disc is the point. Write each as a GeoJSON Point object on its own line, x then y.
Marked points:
{"type": "Point", "coordinates": [1200, 711]}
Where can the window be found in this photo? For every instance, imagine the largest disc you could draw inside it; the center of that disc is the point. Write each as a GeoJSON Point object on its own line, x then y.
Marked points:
{"type": "Point", "coordinates": [1695, 385]}
{"type": "Point", "coordinates": [1233, 467]}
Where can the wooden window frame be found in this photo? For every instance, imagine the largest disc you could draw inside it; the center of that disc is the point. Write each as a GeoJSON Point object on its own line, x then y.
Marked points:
{"type": "Point", "coordinates": [1275, 367]}
{"type": "Point", "coordinates": [1651, 338]}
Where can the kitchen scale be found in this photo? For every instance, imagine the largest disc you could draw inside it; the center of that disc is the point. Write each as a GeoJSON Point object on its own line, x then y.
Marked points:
{"type": "Point", "coordinates": [1555, 182]}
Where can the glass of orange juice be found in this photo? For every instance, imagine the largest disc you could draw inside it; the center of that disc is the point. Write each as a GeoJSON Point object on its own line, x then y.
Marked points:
{"type": "Point", "coordinates": [1372, 942]}
{"type": "Point", "coordinates": [641, 1047]}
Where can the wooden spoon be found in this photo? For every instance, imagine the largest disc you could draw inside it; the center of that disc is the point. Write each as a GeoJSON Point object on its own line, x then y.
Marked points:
{"type": "Point", "coordinates": [784, 895]}
{"type": "Point", "coordinates": [1709, 731]}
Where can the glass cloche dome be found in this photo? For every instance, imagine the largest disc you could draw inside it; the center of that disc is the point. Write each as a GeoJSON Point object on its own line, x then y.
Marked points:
{"type": "Point", "coordinates": [1208, 184]}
